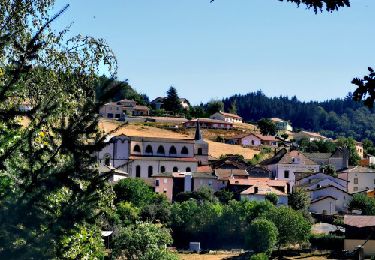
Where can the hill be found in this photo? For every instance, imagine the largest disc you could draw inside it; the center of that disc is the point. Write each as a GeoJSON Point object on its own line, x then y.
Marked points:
{"type": "Point", "coordinates": [216, 149]}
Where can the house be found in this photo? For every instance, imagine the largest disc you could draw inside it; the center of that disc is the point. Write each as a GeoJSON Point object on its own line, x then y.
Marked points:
{"type": "Point", "coordinates": [259, 191]}
{"type": "Point", "coordinates": [231, 118]}
{"type": "Point", "coordinates": [158, 103]}
{"type": "Point", "coordinates": [121, 108]}
{"type": "Point", "coordinates": [310, 136]}
{"type": "Point", "coordinates": [328, 200]}
{"type": "Point", "coordinates": [114, 174]}
{"type": "Point", "coordinates": [358, 178]}
{"type": "Point", "coordinates": [285, 164]}
{"type": "Point", "coordinates": [252, 139]}
{"type": "Point", "coordinates": [230, 162]}
{"type": "Point", "coordinates": [141, 157]}
{"type": "Point", "coordinates": [339, 159]}
{"type": "Point", "coordinates": [282, 125]}
{"type": "Point", "coordinates": [359, 149]}
{"type": "Point", "coordinates": [318, 180]}
{"type": "Point", "coordinates": [208, 123]}
{"type": "Point", "coordinates": [360, 231]}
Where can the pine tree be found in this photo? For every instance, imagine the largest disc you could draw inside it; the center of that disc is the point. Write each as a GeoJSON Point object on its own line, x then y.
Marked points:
{"type": "Point", "coordinates": [172, 102]}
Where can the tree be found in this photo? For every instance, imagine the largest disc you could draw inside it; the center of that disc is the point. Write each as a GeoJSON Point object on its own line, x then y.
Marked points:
{"type": "Point", "coordinates": [135, 191]}
{"type": "Point", "coordinates": [261, 236]}
{"type": "Point", "coordinates": [365, 89]}
{"type": "Point", "coordinates": [272, 197]}
{"type": "Point", "coordinates": [350, 143]}
{"type": "Point", "coordinates": [233, 107]}
{"type": "Point", "coordinates": [142, 241]}
{"type": "Point", "coordinates": [363, 203]}
{"type": "Point", "coordinates": [329, 169]}
{"type": "Point", "coordinates": [54, 192]}
{"type": "Point", "coordinates": [215, 106]}
{"type": "Point", "coordinates": [172, 102]}
{"type": "Point", "coordinates": [224, 196]}
{"type": "Point", "coordinates": [291, 225]}
{"type": "Point", "coordinates": [299, 200]}
{"type": "Point", "coordinates": [266, 127]}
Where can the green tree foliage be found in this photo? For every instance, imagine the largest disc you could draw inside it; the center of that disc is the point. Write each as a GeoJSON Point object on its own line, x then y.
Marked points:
{"type": "Point", "coordinates": [329, 169]}
{"type": "Point", "coordinates": [202, 194]}
{"type": "Point", "coordinates": [142, 241]}
{"type": "Point", "coordinates": [299, 200]}
{"type": "Point", "coordinates": [224, 196]}
{"type": "Point", "coordinates": [261, 236]}
{"type": "Point", "coordinates": [365, 89]}
{"type": "Point", "coordinates": [368, 147]}
{"type": "Point", "coordinates": [272, 197]}
{"type": "Point", "coordinates": [172, 102]}
{"type": "Point", "coordinates": [316, 146]}
{"type": "Point", "coordinates": [233, 107]}
{"type": "Point", "coordinates": [54, 193]}
{"type": "Point", "coordinates": [293, 228]}
{"type": "Point", "coordinates": [350, 143]}
{"type": "Point", "coordinates": [127, 213]}
{"type": "Point", "coordinates": [135, 191]}
{"type": "Point", "coordinates": [259, 256]}
{"type": "Point", "coordinates": [214, 106]}
{"type": "Point", "coordinates": [266, 127]}
{"type": "Point", "coordinates": [363, 203]}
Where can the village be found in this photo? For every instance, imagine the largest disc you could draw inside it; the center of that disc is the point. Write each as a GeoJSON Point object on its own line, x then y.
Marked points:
{"type": "Point", "coordinates": [172, 163]}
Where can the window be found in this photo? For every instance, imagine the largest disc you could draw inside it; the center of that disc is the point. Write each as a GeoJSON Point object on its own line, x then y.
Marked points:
{"type": "Point", "coordinates": [157, 183]}
{"type": "Point", "coordinates": [355, 180]}
{"type": "Point", "coordinates": [172, 150]}
{"type": "Point", "coordinates": [137, 148]}
{"type": "Point", "coordinates": [138, 171]}
{"type": "Point", "coordinates": [150, 171]}
{"type": "Point", "coordinates": [175, 169]}
{"type": "Point", "coordinates": [355, 188]}
{"type": "Point", "coordinates": [107, 160]}
{"type": "Point", "coordinates": [200, 151]}
{"type": "Point", "coordinates": [161, 149]}
{"type": "Point", "coordinates": [162, 169]}
{"type": "Point", "coordinates": [110, 115]}
{"type": "Point", "coordinates": [148, 149]}
{"type": "Point", "coordinates": [117, 116]}
{"type": "Point", "coordinates": [184, 150]}
{"type": "Point", "coordinates": [165, 181]}
{"type": "Point", "coordinates": [286, 174]}
{"type": "Point", "coordinates": [188, 169]}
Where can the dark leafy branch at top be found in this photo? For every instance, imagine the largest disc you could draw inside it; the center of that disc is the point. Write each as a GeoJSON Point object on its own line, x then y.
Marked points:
{"type": "Point", "coordinates": [365, 89]}
{"type": "Point", "coordinates": [320, 5]}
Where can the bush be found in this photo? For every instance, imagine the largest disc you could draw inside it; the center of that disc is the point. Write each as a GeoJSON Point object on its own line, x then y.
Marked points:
{"type": "Point", "coordinates": [260, 256]}
{"type": "Point", "coordinates": [261, 236]}
{"type": "Point", "coordinates": [327, 242]}
{"type": "Point", "coordinates": [272, 197]}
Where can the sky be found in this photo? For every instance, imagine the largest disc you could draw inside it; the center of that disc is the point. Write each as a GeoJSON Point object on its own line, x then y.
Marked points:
{"type": "Point", "coordinates": [215, 50]}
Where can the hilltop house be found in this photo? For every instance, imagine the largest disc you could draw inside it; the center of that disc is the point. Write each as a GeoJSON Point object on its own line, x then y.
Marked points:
{"type": "Point", "coordinates": [158, 103]}
{"type": "Point", "coordinates": [209, 123]}
{"type": "Point", "coordinates": [358, 178]}
{"type": "Point", "coordinates": [282, 125]}
{"type": "Point", "coordinates": [123, 107]}
{"type": "Point", "coordinates": [285, 164]}
{"type": "Point", "coordinates": [231, 118]}
{"type": "Point", "coordinates": [141, 157]}
{"type": "Point", "coordinates": [252, 140]}
{"type": "Point", "coordinates": [310, 136]}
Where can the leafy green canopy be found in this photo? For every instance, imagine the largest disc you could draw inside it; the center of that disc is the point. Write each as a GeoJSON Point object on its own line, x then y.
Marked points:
{"type": "Point", "coordinates": [51, 191]}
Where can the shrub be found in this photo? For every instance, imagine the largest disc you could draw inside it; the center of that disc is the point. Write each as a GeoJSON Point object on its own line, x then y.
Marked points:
{"type": "Point", "coordinates": [260, 256]}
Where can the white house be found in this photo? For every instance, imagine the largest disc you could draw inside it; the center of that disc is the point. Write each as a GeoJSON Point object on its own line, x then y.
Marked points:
{"type": "Point", "coordinates": [284, 165]}
{"type": "Point", "coordinates": [253, 139]}
{"type": "Point", "coordinates": [259, 193]}
{"type": "Point", "coordinates": [358, 178]}
{"type": "Point", "coordinates": [311, 136]}
{"type": "Point", "coordinates": [323, 205]}
{"type": "Point", "coordinates": [141, 157]}
{"type": "Point", "coordinates": [282, 125]}
{"type": "Point", "coordinates": [320, 179]}
{"type": "Point", "coordinates": [232, 118]}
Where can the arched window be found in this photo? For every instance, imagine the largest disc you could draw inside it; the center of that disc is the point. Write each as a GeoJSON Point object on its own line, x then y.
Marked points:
{"type": "Point", "coordinates": [107, 160]}
{"type": "Point", "coordinates": [148, 149]}
{"type": "Point", "coordinates": [150, 171]}
{"type": "Point", "coordinates": [172, 150]}
{"type": "Point", "coordinates": [138, 171]}
{"type": "Point", "coordinates": [184, 150]}
{"type": "Point", "coordinates": [161, 149]}
{"type": "Point", "coordinates": [162, 168]}
{"type": "Point", "coordinates": [188, 169]}
{"type": "Point", "coordinates": [200, 151]}
{"type": "Point", "coordinates": [137, 148]}
{"type": "Point", "coordinates": [175, 169]}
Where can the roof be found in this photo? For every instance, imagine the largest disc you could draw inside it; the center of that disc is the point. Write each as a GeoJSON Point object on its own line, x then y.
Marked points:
{"type": "Point", "coordinates": [259, 172]}
{"type": "Point", "coordinates": [318, 156]}
{"type": "Point", "coordinates": [284, 157]}
{"type": "Point", "coordinates": [276, 119]}
{"type": "Point", "coordinates": [158, 158]}
{"type": "Point", "coordinates": [141, 107]}
{"type": "Point", "coordinates": [224, 174]}
{"type": "Point", "coordinates": [263, 189]}
{"type": "Point", "coordinates": [359, 221]}
{"type": "Point", "coordinates": [204, 168]}
{"type": "Point", "coordinates": [203, 175]}
{"type": "Point", "coordinates": [110, 169]}
{"type": "Point", "coordinates": [258, 181]}
{"type": "Point", "coordinates": [311, 134]}
{"type": "Point", "coordinates": [359, 169]}
{"type": "Point", "coordinates": [233, 160]}
{"type": "Point", "coordinates": [159, 139]}
{"type": "Point", "coordinates": [209, 120]}
{"type": "Point", "coordinates": [322, 198]}
{"type": "Point", "coordinates": [329, 186]}
{"type": "Point", "coordinates": [230, 115]}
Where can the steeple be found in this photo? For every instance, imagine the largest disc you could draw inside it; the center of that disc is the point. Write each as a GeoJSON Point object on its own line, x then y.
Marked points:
{"type": "Point", "coordinates": [198, 135]}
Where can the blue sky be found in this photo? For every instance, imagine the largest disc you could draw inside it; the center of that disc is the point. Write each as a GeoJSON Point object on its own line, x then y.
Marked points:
{"type": "Point", "coordinates": [231, 46]}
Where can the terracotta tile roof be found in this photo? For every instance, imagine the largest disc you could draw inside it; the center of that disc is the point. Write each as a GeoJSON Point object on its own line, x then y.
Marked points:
{"type": "Point", "coordinates": [322, 198]}
{"type": "Point", "coordinates": [284, 157]}
{"type": "Point", "coordinates": [263, 190]}
{"type": "Point", "coordinates": [156, 158]}
{"type": "Point", "coordinates": [202, 175]}
{"type": "Point", "coordinates": [359, 221]}
{"type": "Point", "coordinates": [224, 174]}
{"type": "Point", "coordinates": [204, 168]}
{"type": "Point", "coordinates": [209, 120]}
{"type": "Point", "coordinates": [258, 181]}
{"type": "Point", "coordinates": [359, 169]}
{"type": "Point", "coordinates": [160, 139]}
{"type": "Point", "coordinates": [141, 108]}
{"type": "Point", "coordinates": [230, 115]}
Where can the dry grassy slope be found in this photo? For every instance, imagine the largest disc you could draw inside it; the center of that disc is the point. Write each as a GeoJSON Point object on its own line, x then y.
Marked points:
{"type": "Point", "coordinates": [215, 149]}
